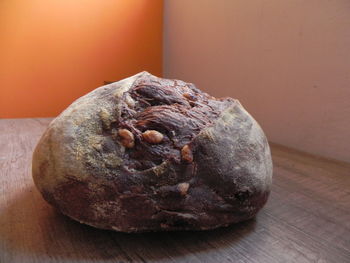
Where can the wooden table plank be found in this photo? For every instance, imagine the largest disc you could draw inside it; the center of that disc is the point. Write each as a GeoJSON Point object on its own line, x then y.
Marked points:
{"type": "Point", "coordinates": [307, 218]}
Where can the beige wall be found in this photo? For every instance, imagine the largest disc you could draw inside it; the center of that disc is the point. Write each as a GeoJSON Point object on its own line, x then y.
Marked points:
{"type": "Point", "coordinates": [288, 62]}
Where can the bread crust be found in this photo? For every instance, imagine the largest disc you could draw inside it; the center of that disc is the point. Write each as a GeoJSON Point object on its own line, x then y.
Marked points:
{"type": "Point", "coordinates": [82, 168]}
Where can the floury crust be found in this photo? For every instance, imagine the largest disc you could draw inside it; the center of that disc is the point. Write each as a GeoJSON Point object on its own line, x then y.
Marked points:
{"type": "Point", "coordinates": [153, 154]}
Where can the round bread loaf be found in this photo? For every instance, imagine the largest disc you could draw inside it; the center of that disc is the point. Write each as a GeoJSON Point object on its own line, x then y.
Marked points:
{"type": "Point", "coordinates": [151, 154]}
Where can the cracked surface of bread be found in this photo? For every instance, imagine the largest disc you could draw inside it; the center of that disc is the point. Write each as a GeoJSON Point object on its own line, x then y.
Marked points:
{"type": "Point", "coordinates": [203, 163]}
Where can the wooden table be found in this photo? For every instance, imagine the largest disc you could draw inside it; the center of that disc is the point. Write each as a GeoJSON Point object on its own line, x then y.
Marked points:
{"type": "Point", "coordinates": [307, 218]}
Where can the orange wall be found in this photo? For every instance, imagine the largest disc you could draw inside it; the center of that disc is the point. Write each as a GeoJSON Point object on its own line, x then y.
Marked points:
{"type": "Point", "coordinates": [52, 52]}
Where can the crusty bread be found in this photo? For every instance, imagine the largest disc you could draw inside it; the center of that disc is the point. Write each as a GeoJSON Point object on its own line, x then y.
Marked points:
{"type": "Point", "coordinates": [150, 154]}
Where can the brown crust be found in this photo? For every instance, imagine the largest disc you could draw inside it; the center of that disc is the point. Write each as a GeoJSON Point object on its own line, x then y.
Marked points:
{"type": "Point", "coordinates": [82, 167]}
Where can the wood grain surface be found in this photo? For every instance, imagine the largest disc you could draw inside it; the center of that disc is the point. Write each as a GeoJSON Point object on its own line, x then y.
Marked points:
{"type": "Point", "coordinates": [307, 218]}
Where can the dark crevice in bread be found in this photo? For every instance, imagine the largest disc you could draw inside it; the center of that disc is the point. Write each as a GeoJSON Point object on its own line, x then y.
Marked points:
{"type": "Point", "coordinates": [178, 111]}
